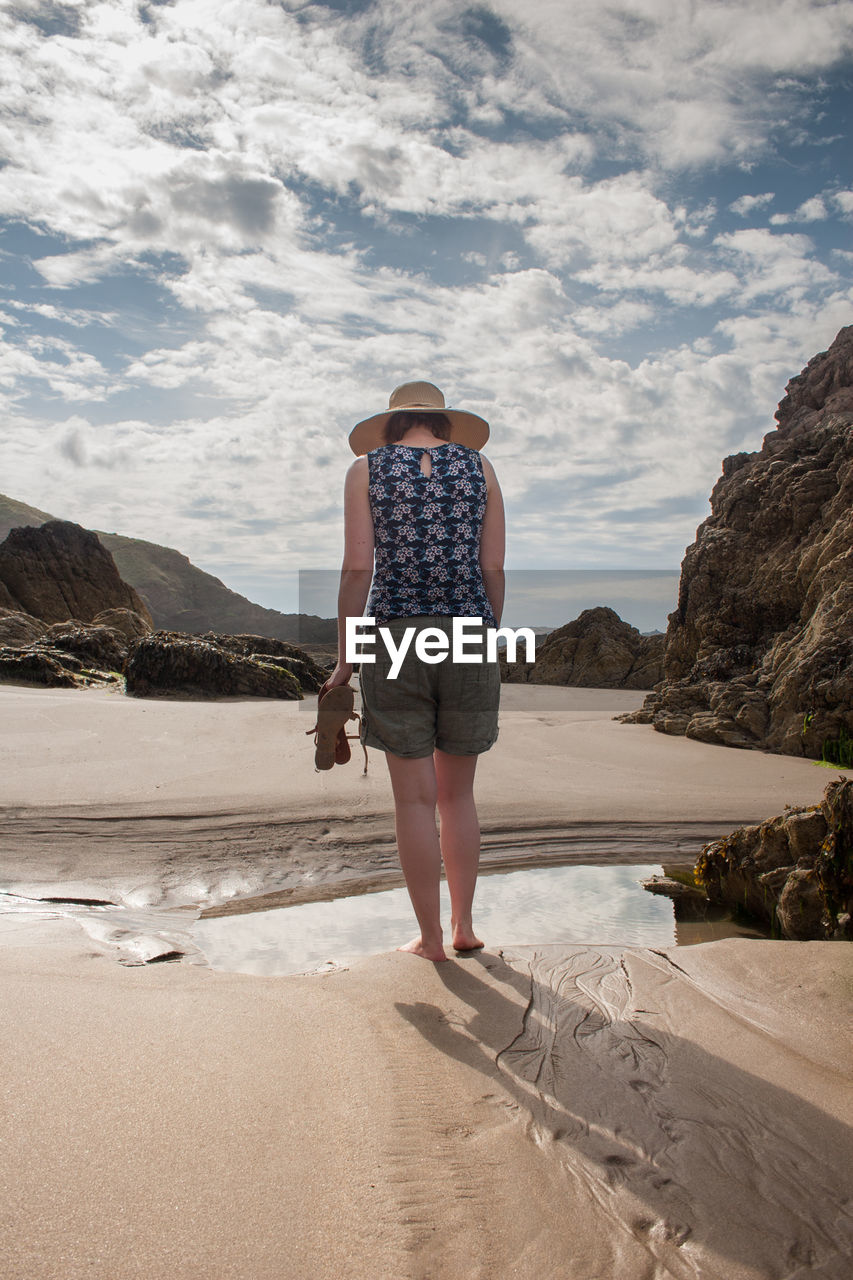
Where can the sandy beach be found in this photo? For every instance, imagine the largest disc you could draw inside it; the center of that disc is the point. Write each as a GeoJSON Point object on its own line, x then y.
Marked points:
{"type": "Point", "coordinates": [573, 1111]}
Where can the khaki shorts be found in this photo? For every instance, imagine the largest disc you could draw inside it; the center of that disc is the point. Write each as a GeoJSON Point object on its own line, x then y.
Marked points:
{"type": "Point", "coordinates": [451, 706]}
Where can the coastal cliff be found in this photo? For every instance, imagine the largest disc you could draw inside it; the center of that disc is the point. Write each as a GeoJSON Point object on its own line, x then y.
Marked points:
{"type": "Point", "coordinates": [759, 652]}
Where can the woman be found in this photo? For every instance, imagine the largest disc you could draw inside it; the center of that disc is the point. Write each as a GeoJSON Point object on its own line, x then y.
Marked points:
{"type": "Point", "coordinates": [424, 538]}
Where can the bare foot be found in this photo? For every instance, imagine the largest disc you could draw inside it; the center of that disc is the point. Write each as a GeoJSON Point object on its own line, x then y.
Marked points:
{"type": "Point", "coordinates": [465, 939]}
{"type": "Point", "coordinates": [417, 948]}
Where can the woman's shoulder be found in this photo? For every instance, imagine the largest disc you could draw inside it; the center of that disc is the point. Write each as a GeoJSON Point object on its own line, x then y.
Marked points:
{"type": "Point", "coordinates": [358, 471]}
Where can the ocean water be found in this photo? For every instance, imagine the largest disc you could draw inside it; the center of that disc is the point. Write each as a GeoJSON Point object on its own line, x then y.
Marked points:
{"type": "Point", "coordinates": [568, 904]}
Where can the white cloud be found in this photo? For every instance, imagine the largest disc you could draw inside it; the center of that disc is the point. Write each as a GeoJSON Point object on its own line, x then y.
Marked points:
{"type": "Point", "coordinates": [620, 317]}
{"type": "Point", "coordinates": [746, 205]}
{"type": "Point", "coordinates": [813, 210]}
{"type": "Point", "coordinates": [53, 364]}
{"type": "Point", "coordinates": [686, 84]}
{"type": "Point", "coordinates": [844, 201]}
{"type": "Point", "coordinates": [668, 275]}
{"type": "Point", "coordinates": [252, 165]}
{"type": "Point", "coordinates": [769, 264]}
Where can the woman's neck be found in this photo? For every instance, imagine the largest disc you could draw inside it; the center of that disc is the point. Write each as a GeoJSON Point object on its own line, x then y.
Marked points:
{"type": "Point", "coordinates": [420, 436]}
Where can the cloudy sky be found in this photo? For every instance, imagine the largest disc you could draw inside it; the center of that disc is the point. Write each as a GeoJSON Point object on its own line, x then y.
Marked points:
{"type": "Point", "coordinates": [231, 227]}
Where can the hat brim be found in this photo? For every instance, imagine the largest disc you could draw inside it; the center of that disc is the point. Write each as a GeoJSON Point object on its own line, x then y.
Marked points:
{"type": "Point", "coordinates": [466, 428]}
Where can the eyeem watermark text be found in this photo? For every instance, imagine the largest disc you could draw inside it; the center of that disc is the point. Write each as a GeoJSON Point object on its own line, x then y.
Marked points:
{"type": "Point", "coordinates": [433, 645]}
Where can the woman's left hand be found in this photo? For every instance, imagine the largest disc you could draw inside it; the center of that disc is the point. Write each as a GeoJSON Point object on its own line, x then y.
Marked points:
{"type": "Point", "coordinates": [342, 674]}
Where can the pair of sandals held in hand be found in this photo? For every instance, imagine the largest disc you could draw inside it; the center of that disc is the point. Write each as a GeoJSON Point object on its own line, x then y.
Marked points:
{"type": "Point", "coordinates": [335, 707]}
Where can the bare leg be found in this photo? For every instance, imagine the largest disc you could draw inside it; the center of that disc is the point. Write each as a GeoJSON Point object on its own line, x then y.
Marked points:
{"type": "Point", "coordinates": [414, 786]}
{"type": "Point", "coordinates": [460, 841]}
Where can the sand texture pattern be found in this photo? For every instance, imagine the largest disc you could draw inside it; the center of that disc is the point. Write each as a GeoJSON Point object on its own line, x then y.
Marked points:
{"type": "Point", "coordinates": [569, 1111]}
{"type": "Point", "coordinates": [575, 1112]}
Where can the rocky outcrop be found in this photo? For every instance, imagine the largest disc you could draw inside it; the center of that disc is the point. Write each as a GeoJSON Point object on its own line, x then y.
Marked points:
{"type": "Point", "coordinates": [101, 648]}
{"type": "Point", "coordinates": [67, 655]}
{"type": "Point", "coordinates": [168, 663]}
{"type": "Point", "coordinates": [278, 652]}
{"type": "Point", "coordinates": [60, 571]}
{"type": "Point", "coordinates": [596, 651]}
{"type": "Point", "coordinates": [38, 666]}
{"type": "Point", "coordinates": [759, 652]}
{"type": "Point", "coordinates": [75, 655]}
{"type": "Point", "coordinates": [131, 625]}
{"type": "Point", "coordinates": [18, 628]}
{"type": "Point", "coordinates": [793, 872]}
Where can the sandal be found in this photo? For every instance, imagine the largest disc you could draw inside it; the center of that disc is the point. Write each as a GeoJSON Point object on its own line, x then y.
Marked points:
{"type": "Point", "coordinates": [335, 707]}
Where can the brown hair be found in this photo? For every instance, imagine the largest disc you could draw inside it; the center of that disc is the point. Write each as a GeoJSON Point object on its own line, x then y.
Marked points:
{"type": "Point", "coordinates": [399, 423]}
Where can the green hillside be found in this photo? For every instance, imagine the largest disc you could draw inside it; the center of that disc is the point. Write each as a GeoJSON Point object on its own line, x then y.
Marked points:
{"type": "Point", "coordinates": [181, 596]}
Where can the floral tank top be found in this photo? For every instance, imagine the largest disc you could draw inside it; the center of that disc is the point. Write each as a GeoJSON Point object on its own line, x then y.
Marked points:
{"type": "Point", "coordinates": [427, 533]}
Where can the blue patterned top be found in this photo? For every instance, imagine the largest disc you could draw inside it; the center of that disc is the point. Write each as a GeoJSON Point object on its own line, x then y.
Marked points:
{"type": "Point", "coordinates": [427, 533]}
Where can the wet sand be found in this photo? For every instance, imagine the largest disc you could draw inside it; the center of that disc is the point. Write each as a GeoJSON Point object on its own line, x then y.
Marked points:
{"type": "Point", "coordinates": [167, 802]}
{"type": "Point", "coordinates": [589, 1112]}
{"type": "Point", "coordinates": [571, 1112]}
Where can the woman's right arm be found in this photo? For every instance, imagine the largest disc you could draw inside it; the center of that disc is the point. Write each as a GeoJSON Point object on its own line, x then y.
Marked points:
{"type": "Point", "coordinates": [493, 542]}
{"type": "Point", "coordinates": [357, 567]}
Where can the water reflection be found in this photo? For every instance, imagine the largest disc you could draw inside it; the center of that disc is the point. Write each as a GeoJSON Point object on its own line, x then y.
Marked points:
{"type": "Point", "coordinates": [568, 904]}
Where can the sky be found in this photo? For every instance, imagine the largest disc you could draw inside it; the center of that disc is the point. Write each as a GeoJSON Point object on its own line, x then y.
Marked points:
{"type": "Point", "coordinates": [229, 228]}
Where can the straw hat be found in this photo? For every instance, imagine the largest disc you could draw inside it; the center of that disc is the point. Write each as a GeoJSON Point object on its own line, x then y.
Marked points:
{"type": "Point", "coordinates": [420, 397]}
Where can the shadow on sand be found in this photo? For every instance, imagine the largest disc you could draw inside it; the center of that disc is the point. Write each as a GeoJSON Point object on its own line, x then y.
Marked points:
{"type": "Point", "coordinates": [677, 1162]}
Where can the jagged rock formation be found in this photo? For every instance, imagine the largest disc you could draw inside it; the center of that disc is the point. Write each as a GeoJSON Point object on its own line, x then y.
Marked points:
{"type": "Point", "coordinates": [216, 666]}
{"type": "Point", "coordinates": [759, 652]}
{"type": "Point", "coordinates": [60, 571]}
{"type": "Point", "coordinates": [794, 872]}
{"type": "Point", "coordinates": [595, 651]}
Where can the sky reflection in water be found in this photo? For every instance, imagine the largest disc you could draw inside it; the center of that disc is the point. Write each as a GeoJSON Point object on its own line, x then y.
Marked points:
{"type": "Point", "coordinates": [539, 905]}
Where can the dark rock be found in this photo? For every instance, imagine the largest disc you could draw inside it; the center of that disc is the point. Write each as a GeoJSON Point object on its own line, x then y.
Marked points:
{"type": "Point", "coordinates": [793, 872]}
{"type": "Point", "coordinates": [101, 647]}
{"type": "Point", "coordinates": [278, 652]}
{"type": "Point", "coordinates": [759, 652]}
{"type": "Point", "coordinates": [595, 651]}
{"type": "Point", "coordinates": [60, 571]}
{"type": "Point", "coordinates": [127, 621]}
{"type": "Point", "coordinates": [168, 663]}
{"type": "Point", "coordinates": [800, 909]}
{"type": "Point", "coordinates": [8, 603]}
{"type": "Point", "coordinates": [68, 655]}
{"type": "Point", "coordinates": [18, 629]}
{"type": "Point", "coordinates": [21, 666]}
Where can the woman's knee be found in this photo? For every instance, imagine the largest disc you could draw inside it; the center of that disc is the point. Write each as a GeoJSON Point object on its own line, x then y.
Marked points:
{"type": "Point", "coordinates": [454, 779]}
